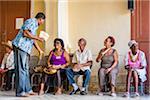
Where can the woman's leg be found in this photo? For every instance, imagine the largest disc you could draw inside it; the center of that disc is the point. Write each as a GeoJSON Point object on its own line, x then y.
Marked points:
{"type": "Point", "coordinates": [129, 75]}
{"type": "Point", "coordinates": [59, 86]}
{"type": "Point", "coordinates": [113, 76]}
{"type": "Point", "coordinates": [136, 81]}
{"type": "Point", "coordinates": [101, 78]}
{"type": "Point", "coordinates": [44, 77]}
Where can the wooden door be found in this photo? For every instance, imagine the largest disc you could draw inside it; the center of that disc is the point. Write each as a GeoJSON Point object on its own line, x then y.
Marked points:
{"type": "Point", "coordinates": [9, 11]}
{"type": "Point", "coordinates": [140, 31]}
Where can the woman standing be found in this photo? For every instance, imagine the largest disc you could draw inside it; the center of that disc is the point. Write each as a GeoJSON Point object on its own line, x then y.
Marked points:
{"type": "Point", "coordinates": [109, 65]}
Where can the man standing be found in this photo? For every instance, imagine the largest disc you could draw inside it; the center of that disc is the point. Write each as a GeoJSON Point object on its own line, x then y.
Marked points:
{"type": "Point", "coordinates": [22, 45]}
{"type": "Point", "coordinates": [82, 60]}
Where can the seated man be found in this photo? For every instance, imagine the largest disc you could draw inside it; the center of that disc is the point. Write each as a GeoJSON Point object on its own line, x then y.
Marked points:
{"type": "Point", "coordinates": [82, 60]}
{"type": "Point", "coordinates": [135, 62]}
{"type": "Point", "coordinates": [7, 65]}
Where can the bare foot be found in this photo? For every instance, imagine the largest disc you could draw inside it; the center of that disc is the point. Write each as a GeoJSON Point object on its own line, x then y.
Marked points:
{"type": "Point", "coordinates": [32, 93]}
{"type": "Point", "coordinates": [58, 93]}
{"type": "Point", "coordinates": [41, 92]}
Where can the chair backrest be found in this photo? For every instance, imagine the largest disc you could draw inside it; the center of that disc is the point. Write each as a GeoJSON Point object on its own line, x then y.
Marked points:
{"type": "Point", "coordinates": [43, 61]}
{"type": "Point", "coordinates": [33, 62]}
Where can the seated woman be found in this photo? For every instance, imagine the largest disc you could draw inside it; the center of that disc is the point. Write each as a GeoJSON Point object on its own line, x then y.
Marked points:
{"type": "Point", "coordinates": [135, 63]}
{"type": "Point", "coordinates": [58, 60]}
{"type": "Point", "coordinates": [109, 65]}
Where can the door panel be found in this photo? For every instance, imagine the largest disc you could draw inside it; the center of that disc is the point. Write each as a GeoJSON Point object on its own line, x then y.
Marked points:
{"type": "Point", "coordinates": [140, 30]}
{"type": "Point", "coordinates": [10, 10]}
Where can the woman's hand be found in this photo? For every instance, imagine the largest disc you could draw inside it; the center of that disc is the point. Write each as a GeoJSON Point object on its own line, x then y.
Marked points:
{"type": "Point", "coordinates": [108, 70]}
{"type": "Point", "coordinates": [56, 67]}
{"type": "Point", "coordinates": [141, 67]}
{"type": "Point", "coordinates": [127, 67]}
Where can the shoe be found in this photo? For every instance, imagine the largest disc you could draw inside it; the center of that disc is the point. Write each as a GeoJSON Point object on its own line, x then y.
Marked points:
{"type": "Point", "coordinates": [83, 93]}
{"type": "Point", "coordinates": [137, 94]}
{"type": "Point", "coordinates": [127, 94]}
{"type": "Point", "coordinates": [25, 95]}
{"type": "Point", "coordinates": [7, 89]}
{"type": "Point", "coordinates": [32, 93]}
{"type": "Point", "coordinates": [113, 94]}
{"type": "Point", "coordinates": [74, 91]}
{"type": "Point", "coordinates": [100, 94]}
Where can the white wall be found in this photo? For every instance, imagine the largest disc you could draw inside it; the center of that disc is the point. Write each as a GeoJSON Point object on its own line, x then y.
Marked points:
{"type": "Point", "coordinates": [95, 20]}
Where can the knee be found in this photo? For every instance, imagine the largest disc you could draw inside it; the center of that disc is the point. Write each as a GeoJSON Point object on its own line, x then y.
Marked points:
{"type": "Point", "coordinates": [101, 72]}
{"type": "Point", "coordinates": [68, 71]}
{"type": "Point", "coordinates": [87, 73]}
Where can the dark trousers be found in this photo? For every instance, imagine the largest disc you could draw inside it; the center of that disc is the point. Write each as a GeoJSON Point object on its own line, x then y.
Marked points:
{"type": "Point", "coordinates": [9, 75]}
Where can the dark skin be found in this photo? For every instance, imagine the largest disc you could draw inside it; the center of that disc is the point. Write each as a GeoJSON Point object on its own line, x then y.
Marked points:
{"type": "Point", "coordinates": [132, 73]}
{"type": "Point", "coordinates": [134, 49]}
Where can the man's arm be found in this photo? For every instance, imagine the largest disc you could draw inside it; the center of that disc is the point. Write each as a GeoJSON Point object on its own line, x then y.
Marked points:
{"type": "Point", "coordinates": [37, 47]}
{"type": "Point", "coordinates": [89, 60]}
{"type": "Point", "coordinates": [27, 34]}
{"type": "Point", "coordinates": [89, 63]}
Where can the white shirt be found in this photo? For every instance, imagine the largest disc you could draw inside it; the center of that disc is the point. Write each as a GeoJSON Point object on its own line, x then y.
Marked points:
{"type": "Point", "coordinates": [82, 57]}
{"type": "Point", "coordinates": [8, 61]}
{"type": "Point", "coordinates": [141, 72]}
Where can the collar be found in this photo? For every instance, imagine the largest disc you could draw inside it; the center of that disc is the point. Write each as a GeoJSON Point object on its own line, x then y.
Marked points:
{"type": "Point", "coordinates": [83, 50]}
{"type": "Point", "coordinates": [36, 21]}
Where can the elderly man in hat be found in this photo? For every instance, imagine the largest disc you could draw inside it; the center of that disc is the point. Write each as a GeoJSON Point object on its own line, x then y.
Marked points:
{"type": "Point", "coordinates": [135, 63]}
{"type": "Point", "coordinates": [7, 65]}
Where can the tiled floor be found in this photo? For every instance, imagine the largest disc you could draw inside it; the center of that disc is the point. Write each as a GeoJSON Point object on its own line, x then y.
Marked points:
{"type": "Point", "coordinates": [10, 95]}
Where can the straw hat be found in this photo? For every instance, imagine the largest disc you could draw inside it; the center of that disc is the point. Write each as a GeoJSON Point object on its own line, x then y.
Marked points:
{"type": "Point", "coordinates": [8, 44]}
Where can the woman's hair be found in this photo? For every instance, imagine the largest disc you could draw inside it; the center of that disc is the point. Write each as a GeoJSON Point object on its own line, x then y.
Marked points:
{"type": "Point", "coordinates": [112, 40]}
{"type": "Point", "coordinates": [61, 42]}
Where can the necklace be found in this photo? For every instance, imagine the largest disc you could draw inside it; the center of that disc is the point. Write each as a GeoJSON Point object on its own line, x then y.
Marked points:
{"type": "Point", "coordinates": [134, 58]}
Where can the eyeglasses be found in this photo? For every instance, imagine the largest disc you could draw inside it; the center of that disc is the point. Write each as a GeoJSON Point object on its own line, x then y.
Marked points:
{"type": "Point", "coordinates": [57, 42]}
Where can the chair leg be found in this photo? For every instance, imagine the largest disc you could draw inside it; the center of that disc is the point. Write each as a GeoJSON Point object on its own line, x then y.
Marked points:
{"type": "Point", "coordinates": [47, 89]}
{"type": "Point", "coordinates": [3, 82]}
{"type": "Point", "coordinates": [141, 88]}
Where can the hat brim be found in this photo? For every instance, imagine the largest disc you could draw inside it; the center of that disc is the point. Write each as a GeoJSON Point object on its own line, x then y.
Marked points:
{"type": "Point", "coordinates": [6, 44]}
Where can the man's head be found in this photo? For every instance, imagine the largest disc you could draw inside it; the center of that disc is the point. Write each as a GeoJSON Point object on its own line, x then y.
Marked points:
{"type": "Point", "coordinates": [40, 18]}
{"type": "Point", "coordinates": [133, 46]}
{"type": "Point", "coordinates": [82, 44]}
{"type": "Point", "coordinates": [8, 46]}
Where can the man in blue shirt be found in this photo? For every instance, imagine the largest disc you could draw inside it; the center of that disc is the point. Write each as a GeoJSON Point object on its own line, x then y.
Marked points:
{"type": "Point", "coordinates": [22, 45]}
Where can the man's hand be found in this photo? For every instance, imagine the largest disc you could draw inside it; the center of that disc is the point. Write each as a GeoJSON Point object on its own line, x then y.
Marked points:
{"type": "Point", "coordinates": [4, 71]}
{"type": "Point", "coordinates": [77, 67]}
{"type": "Point", "coordinates": [41, 52]}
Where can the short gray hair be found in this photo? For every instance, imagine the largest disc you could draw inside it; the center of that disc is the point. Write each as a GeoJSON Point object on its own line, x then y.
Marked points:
{"type": "Point", "coordinates": [82, 39]}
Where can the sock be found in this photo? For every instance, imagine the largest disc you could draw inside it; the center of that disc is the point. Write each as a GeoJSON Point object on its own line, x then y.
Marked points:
{"type": "Point", "coordinates": [75, 86]}
{"type": "Point", "coordinates": [83, 89]}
